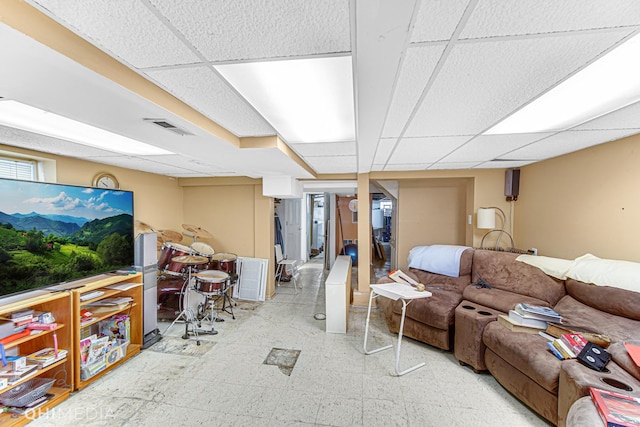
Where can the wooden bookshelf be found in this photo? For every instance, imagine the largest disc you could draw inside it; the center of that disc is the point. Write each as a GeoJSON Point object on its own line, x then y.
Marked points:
{"type": "Point", "coordinates": [83, 329]}
{"type": "Point", "coordinates": [59, 304]}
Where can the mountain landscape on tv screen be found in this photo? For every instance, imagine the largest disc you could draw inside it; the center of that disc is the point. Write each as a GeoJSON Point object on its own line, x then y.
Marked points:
{"type": "Point", "coordinates": [67, 233]}
{"type": "Point", "coordinates": [36, 251]}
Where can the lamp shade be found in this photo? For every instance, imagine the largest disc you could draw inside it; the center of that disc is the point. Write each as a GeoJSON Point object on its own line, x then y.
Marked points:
{"type": "Point", "coordinates": [486, 218]}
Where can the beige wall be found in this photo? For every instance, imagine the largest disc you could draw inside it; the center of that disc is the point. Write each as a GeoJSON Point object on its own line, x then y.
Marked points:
{"type": "Point", "coordinates": [432, 211]}
{"type": "Point", "coordinates": [584, 202]}
{"type": "Point", "coordinates": [236, 213]}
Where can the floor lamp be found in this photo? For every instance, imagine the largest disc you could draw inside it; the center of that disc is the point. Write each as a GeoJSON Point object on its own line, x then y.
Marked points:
{"type": "Point", "coordinates": [487, 220]}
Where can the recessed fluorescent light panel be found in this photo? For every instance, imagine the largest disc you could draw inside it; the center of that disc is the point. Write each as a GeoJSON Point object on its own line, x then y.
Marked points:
{"type": "Point", "coordinates": [21, 116]}
{"type": "Point", "coordinates": [305, 100]}
{"type": "Point", "coordinates": [606, 85]}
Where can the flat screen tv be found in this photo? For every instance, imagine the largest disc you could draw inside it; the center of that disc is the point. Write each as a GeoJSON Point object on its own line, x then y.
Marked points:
{"type": "Point", "coordinates": [54, 233]}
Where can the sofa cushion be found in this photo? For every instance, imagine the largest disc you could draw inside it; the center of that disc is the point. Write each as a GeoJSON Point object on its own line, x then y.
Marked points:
{"type": "Point", "coordinates": [437, 311]}
{"type": "Point", "coordinates": [577, 315]}
{"type": "Point", "coordinates": [502, 271]}
{"type": "Point", "coordinates": [613, 300]}
{"type": "Point", "coordinates": [497, 299]}
{"type": "Point", "coordinates": [620, 355]}
{"type": "Point", "coordinates": [526, 352]}
{"type": "Point", "coordinates": [606, 272]}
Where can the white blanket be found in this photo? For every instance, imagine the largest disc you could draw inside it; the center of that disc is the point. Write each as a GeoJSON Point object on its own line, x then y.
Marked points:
{"type": "Point", "coordinates": [439, 259]}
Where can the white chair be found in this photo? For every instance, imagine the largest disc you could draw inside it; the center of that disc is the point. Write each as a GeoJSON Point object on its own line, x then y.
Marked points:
{"type": "Point", "coordinates": [283, 264]}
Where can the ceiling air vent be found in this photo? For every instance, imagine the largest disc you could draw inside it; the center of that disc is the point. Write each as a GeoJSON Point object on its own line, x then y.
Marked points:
{"type": "Point", "coordinates": [168, 126]}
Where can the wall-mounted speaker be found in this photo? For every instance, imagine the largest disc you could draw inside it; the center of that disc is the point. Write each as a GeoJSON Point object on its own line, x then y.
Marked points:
{"type": "Point", "coordinates": [512, 184]}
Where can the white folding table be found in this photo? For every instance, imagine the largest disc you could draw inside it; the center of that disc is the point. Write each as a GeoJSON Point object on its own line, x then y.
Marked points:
{"type": "Point", "coordinates": [394, 291]}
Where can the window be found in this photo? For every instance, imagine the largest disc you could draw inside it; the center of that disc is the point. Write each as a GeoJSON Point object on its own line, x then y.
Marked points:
{"type": "Point", "coordinates": [18, 169]}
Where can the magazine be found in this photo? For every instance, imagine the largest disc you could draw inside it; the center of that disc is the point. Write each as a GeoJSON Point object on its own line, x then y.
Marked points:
{"type": "Point", "coordinates": [616, 409]}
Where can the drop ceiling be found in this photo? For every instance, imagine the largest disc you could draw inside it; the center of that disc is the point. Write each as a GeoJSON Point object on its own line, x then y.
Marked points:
{"type": "Point", "coordinates": [429, 78]}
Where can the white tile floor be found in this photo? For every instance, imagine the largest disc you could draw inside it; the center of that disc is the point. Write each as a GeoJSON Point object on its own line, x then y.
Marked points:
{"type": "Point", "coordinates": [224, 381]}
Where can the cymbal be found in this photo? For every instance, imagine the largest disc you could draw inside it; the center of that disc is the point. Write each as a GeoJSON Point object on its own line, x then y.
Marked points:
{"type": "Point", "coordinates": [190, 259]}
{"type": "Point", "coordinates": [169, 236]}
{"type": "Point", "coordinates": [197, 231]}
{"type": "Point", "coordinates": [143, 227]}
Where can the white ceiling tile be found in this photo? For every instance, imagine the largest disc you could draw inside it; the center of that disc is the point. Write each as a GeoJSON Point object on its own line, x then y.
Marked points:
{"type": "Point", "coordinates": [257, 29]}
{"type": "Point", "coordinates": [483, 82]}
{"type": "Point", "coordinates": [385, 147]}
{"type": "Point", "coordinates": [500, 18]}
{"type": "Point", "coordinates": [567, 142]}
{"type": "Point", "coordinates": [437, 19]}
{"type": "Point", "coordinates": [406, 167]}
{"type": "Point", "coordinates": [347, 148]}
{"type": "Point", "coordinates": [452, 165]}
{"type": "Point", "coordinates": [127, 29]}
{"type": "Point", "coordinates": [208, 93]}
{"type": "Point", "coordinates": [625, 118]}
{"type": "Point", "coordinates": [425, 150]}
{"type": "Point", "coordinates": [417, 67]}
{"type": "Point", "coordinates": [488, 147]}
{"type": "Point", "coordinates": [377, 168]}
{"type": "Point", "coordinates": [332, 164]}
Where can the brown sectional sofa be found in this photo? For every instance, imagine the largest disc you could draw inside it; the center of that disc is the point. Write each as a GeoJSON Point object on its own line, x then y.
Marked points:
{"type": "Point", "coordinates": [462, 316]}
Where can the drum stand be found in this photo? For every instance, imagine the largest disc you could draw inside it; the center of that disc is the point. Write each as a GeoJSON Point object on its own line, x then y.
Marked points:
{"type": "Point", "coordinates": [209, 303]}
{"type": "Point", "coordinates": [226, 297]}
{"type": "Point", "coordinates": [187, 312]}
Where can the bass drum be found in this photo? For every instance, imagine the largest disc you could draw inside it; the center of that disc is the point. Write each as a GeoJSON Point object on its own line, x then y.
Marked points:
{"type": "Point", "coordinates": [224, 262]}
{"type": "Point", "coordinates": [169, 251]}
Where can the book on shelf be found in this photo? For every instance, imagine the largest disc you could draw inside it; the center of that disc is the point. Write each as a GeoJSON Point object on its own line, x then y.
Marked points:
{"type": "Point", "coordinates": [112, 301]}
{"type": "Point", "coordinates": [506, 321]}
{"type": "Point", "coordinates": [44, 364]}
{"type": "Point", "coordinates": [538, 312]}
{"type": "Point", "coordinates": [124, 286]}
{"type": "Point", "coordinates": [46, 354]}
{"type": "Point", "coordinates": [16, 375]}
{"type": "Point", "coordinates": [90, 295]}
{"type": "Point", "coordinates": [527, 321]}
{"type": "Point", "coordinates": [21, 314]}
{"type": "Point", "coordinates": [616, 409]}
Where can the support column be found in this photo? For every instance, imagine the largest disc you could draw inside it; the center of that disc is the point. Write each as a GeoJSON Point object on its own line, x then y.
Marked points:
{"type": "Point", "coordinates": [361, 296]}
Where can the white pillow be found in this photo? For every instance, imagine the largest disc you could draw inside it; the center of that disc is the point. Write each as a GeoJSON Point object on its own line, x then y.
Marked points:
{"type": "Point", "coordinates": [554, 267]}
{"type": "Point", "coordinates": [606, 272]}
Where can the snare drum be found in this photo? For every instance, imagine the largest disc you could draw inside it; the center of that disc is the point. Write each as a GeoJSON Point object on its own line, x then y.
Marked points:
{"type": "Point", "coordinates": [210, 281]}
{"type": "Point", "coordinates": [169, 251]}
{"type": "Point", "coordinates": [224, 262]}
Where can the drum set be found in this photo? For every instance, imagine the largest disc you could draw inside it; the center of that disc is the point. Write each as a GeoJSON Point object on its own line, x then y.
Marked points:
{"type": "Point", "coordinates": [198, 269]}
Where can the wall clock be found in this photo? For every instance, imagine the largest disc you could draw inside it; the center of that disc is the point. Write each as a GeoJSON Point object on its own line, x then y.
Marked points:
{"type": "Point", "coordinates": [106, 180]}
{"type": "Point", "coordinates": [353, 205]}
